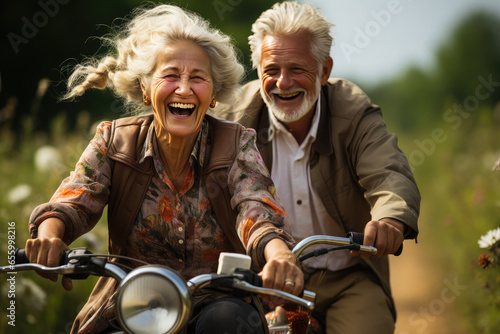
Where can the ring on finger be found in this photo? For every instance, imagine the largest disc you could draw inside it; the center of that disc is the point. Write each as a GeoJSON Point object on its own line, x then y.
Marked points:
{"type": "Point", "coordinates": [289, 281]}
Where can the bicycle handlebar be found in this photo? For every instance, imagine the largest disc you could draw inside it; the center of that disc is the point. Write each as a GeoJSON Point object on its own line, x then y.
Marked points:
{"type": "Point", "coordinates": [353, 241]}
{"type": "Point", "coordinates": [79, 263]}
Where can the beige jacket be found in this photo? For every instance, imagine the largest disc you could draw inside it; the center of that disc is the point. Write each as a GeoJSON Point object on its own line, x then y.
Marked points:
{"type": "Point", "coordinates": [356, 166]}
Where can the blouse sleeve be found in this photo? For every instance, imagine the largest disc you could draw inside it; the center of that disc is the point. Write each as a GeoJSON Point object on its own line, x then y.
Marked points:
{"type": "Point", "coordinates": [261, 216]}
{"type": "Point", "coordinates": [80, 199]}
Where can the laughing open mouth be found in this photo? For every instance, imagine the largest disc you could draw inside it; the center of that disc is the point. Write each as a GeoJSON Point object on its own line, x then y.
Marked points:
{"type": "Point", "coordinates": [181, 109]}
{"type": "Point", "coordinates": [288, 96]}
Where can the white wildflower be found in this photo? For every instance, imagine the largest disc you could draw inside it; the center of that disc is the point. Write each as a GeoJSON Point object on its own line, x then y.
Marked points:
{"type": "Point", "coordinates": [18, 193]}
{"type": "Point", "coordinates": [47, 158]}
{"type": "Point", "coordinates": [490, 238]}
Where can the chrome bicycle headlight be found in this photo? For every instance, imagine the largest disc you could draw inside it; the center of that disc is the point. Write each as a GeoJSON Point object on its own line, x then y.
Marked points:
{"type": "Point", "coordinates": [153, 299]}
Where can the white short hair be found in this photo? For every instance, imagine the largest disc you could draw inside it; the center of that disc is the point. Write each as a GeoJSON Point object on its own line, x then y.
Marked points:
{"type": "Point", "coordinates": [291, 17]}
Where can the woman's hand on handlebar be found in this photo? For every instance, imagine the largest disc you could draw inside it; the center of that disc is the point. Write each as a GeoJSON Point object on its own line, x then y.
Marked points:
{"type": "Point", "coordinates": [281, 271]}
{"type": "Point", "coordinates": [386, 235]}
{"type": "Point", "coordinates": [48, 248]}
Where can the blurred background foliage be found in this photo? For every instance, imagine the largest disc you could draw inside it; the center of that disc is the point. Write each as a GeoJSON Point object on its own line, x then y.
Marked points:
{"type": "Point", "coordinates": [71, 36]}
{"type": "Point", "coordinates": [446, 115]}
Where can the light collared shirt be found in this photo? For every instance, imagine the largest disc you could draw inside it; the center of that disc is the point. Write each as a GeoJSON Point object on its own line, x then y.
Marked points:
{"type": "Point", "coordinates": [291, 175]}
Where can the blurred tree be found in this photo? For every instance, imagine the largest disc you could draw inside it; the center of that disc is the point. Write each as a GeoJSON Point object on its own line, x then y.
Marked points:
{"type": "Point", "coordinates": [407, 101]}
{"type": "Point", "coordinates": [469, 58]}
{"type": "Point", "coordinates": [40, 37]}
{"type": "Point", "coordinates": [472, 51]}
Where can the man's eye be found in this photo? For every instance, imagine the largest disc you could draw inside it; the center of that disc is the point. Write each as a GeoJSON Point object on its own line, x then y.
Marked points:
{"type": "Point", "coordinates": [271, 71]}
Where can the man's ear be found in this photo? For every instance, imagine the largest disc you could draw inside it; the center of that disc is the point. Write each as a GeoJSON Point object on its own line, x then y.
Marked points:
{"type": "Point", "coordinates": [326, 69]}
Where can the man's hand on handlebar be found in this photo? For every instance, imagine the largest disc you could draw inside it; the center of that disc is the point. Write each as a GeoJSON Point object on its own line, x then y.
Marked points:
{"type": "Point", "coordinates": [386, 235]}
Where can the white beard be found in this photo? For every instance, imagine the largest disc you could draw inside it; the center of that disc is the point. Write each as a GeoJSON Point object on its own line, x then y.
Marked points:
{"type": "Point", "coordinates": [307, 103]}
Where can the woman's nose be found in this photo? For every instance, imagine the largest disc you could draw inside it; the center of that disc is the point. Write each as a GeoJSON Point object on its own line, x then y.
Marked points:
{"type": "Point", "coordinates": [183, 87]}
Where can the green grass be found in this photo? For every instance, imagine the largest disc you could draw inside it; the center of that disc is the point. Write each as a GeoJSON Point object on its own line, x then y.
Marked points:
{"type": "Point", "coordinates": [53, 309]}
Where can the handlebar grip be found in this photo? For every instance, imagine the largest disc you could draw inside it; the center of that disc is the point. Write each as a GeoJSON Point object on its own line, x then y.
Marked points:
{"type": "Point", "coordinates": [359, 237]}
{"type": "Point", "coordinates": [356, 237]}
{"type": "Point", "coordinates": [20, 256]}
{"type": "Point", "coordinates": [250, 276]}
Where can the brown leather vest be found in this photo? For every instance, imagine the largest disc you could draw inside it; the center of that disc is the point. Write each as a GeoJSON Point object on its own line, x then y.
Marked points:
{"type": "Point", "coordinates": [131, 180]}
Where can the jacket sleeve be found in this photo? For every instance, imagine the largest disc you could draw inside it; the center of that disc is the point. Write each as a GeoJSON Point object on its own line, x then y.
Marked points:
{"type": "Point", "coordinates": [80, 199]}
{"type": "Point", "coordinates": [261, 217]}
{"type": "Point", "coordinates": [384, 172]}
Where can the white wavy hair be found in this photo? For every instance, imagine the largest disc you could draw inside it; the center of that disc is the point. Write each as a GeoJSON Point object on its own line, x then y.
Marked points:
{"type": "Point", "coordinates": [136, 45]}
{"type": "Point", "coordinates": [287, 18]}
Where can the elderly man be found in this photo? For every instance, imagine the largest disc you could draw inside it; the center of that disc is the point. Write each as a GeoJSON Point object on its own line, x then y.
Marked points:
{"type": "Point", "coordinates": [335, 166]}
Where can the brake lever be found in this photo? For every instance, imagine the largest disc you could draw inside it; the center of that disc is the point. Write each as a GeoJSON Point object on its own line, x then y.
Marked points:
{"type": "Point", "coordinates": [85, 265]}
{"type": "Point", "coordinates": [245, 286]}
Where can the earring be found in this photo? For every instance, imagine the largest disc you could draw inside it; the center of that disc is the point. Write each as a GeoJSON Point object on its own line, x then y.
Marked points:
{"type": "Point", "coordinates": [146, 100]}
{"type": "Point", "coordinates": [212, 104]}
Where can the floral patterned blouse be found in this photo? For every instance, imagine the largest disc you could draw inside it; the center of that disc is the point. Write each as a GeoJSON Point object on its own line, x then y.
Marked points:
{"type": "Point", "coordinates": [177, 229]}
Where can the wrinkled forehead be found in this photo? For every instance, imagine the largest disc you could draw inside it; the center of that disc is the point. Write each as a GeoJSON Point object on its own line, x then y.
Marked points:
{"type": "Point", "coordinates": [183, 54]}
{"type": "Point", "coordinates": [289, 48]}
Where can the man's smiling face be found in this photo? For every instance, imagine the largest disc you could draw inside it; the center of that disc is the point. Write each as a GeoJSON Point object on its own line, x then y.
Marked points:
{"type": "Point", "coordinates": [289, 74]}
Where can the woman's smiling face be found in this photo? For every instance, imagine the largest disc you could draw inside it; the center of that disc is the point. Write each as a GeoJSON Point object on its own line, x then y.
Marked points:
{"type": "Point", "coordinates": [181, 88]}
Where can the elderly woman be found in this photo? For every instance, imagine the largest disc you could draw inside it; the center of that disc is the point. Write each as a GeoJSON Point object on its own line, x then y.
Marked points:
{"type": "Point", "coordinates": [181, 186]}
